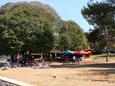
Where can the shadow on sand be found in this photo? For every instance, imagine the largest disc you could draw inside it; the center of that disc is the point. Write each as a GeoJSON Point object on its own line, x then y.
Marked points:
{"type": "Point", "coordinates": [95, 65]}
{"type": "Point", "coordinates": [104, 71]}
{"type": "Point", "coordinates": [110, 67]}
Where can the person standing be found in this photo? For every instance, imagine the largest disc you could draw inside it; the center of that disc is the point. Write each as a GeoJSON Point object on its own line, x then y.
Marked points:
{"type": "Point", "coordinates": [17, 59]}
{"type": "Point", "coordinates": [74, 59]}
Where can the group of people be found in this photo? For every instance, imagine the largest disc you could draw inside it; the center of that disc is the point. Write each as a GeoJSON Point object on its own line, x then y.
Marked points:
{"type": "Point", "coordinates": [26, 59]}
{"type": "Point", "coordinates": [77, 59]}
{"type": "Point", "coordinates": [21, 60]}
{"type": "Point", "coordinates": [72, 58]}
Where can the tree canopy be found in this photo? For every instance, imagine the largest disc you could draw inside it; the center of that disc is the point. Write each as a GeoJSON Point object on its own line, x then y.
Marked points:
{"type": "Point", "coordinates": [36, 27]}
{"type": "Point", "coordinates": [20, 27]}
{"type": "Point", "coordinates": [101, 16]}
{"type": "Point", "coordinates": [74, 37]}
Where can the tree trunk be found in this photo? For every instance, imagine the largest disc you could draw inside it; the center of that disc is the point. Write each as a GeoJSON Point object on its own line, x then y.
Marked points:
{"type": "Point", "coordinates": [108, 44]}
{"type": "Point", "coordinates": [107, 57]}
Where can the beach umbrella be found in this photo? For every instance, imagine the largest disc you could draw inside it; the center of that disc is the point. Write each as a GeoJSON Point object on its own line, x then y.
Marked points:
{"type": "Point", "coordinates": [75, 52]}
{"type": "Point", "coordinates": [82, 52]}
{"type": "Point", "coordinates": [68, 52]}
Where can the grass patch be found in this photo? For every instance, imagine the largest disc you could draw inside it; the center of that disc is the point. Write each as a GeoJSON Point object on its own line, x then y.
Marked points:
{"type": "Point", "coordinates": [101, 56]}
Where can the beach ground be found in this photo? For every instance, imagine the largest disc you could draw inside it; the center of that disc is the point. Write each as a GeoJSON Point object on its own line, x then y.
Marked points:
{"type": "Point", "coordinates": [87, 73]}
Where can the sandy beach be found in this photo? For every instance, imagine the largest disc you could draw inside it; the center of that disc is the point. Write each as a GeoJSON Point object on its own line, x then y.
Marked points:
{"type": "Point", "coordinates": [84, 74]}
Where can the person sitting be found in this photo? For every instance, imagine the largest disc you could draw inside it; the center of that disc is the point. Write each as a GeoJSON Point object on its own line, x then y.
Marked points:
{"type": "Point", "coordinates": [43, 65]}
{"type": "Point", "coordinates": [78, 59]}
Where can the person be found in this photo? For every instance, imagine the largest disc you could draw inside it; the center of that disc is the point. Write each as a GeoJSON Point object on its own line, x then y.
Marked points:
{"type": "Point", "coordinates": [17, 59]}
{"type": "Point", "coordinates": [20, 60]}
{"type": "Point", "coordinates": [66, 59]}
{"type": "Point", "coordinates": [78, 59]}
{"type": "Point", "coordinates": [24, 59]}
{"type": "Point", "coordinates": [74, 59]}
{"type": "Point", "coordinates": [43, 65]}
{"type": "Point", "coordinates": [82, 58]}
{"type": "Point", "coordinates": [12, 60]}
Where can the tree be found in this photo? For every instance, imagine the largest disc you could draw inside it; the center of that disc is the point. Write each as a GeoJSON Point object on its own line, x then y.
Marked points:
{"type": "Point", "coordinates": [74, 36]}
{"type": "Point", "coordinates": [101, 16]}
{"type": "Point", "coordinates": [64, 41]}
{"type": "Point", "coordinates": [21, 26]}
{"type": "Point", "coordinates": [37, 27]}
{"type": "Point", "coordinates": [44, 38]}
{"type": "Point", "coordinates": [95, 41]}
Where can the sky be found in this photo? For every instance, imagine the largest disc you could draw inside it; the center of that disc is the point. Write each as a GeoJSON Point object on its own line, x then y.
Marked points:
{"type": "Point", "coordinates": [66, 9]}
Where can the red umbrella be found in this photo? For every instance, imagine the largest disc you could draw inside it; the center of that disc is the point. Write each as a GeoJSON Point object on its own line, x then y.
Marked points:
{"type": "Point", "coordinates": [89, 52]}
{"type": "Point", "coordinates": [75, 52]}
{"type": "Point", "coordinates": [82, 52]}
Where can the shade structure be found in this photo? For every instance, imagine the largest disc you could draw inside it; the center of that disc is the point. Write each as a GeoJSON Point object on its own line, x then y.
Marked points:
{"type": "Point", "coordinates": [67, 52]}
{"type": "Point", "coordinates": [82, 52]}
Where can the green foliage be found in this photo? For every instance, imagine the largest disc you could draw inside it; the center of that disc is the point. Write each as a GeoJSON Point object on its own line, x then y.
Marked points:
{"type": "Point", "coordinates": [72, 36]}
{"type": "Point", "coordinates": [99, 13]}
{"type": "Point", "coordinates": [31, 9]}
{"type": "Point", "coordinates": [101, 16]}
{"type": "Point", "coordinates": [37, 27]}
{"type": "Point", "coordinates": [44, 39]}
{"type": "Point", "coordinates": [65, 41]}
{"type": "Point", "coordinates": [21, 30]}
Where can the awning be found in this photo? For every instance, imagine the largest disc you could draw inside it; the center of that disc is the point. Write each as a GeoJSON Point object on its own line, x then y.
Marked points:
{"type": "Point", "coordinates": [68, 52]}
{"type": "Point", "coordinates": [82, 52]}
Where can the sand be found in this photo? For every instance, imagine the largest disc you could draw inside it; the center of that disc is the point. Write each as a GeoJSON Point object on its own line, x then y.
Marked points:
{"type": "Point", "coordinates": [84, 74]}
